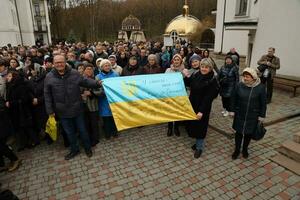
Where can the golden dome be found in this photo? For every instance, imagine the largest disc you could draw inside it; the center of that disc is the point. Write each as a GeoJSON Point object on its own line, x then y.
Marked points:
{"type": "Point", "coordinates": [186, 25]}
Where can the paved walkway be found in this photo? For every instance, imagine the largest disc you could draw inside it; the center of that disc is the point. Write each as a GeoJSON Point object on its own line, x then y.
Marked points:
{"type": "Point", "coordinates": [144, 163]}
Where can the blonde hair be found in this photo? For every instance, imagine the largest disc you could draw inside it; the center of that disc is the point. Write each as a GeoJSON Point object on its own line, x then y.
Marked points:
{"type": "Point", "coordinates": [206, 62]}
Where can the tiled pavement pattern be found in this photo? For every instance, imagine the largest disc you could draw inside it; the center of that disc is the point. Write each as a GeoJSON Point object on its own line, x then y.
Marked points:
{"type": "Point", "coordinates": [144, 163]}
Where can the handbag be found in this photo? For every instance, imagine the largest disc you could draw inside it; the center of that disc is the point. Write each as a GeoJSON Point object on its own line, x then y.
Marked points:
{"type": "Point", "coordinates": [259, 132]}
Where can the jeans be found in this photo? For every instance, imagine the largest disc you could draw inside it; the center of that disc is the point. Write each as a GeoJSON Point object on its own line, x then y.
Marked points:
{"type": "Point", "coordinates": [199, 144]}
{"type": "Point", "coordinates": [71, 126]}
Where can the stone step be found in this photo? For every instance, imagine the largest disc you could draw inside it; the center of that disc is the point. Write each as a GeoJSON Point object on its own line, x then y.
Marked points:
{"type": "Point", "coordinates": [287, 163]}
{"type": "Point", "coordinates": [290, 149]}
{"type": "Point", "coordinates": [296, 138]}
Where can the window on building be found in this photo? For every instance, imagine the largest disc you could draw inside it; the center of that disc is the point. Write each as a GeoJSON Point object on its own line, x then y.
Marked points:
{"type": "Point", "coordinates": [37, 9]}
{"type": "Point", "coordinates": [39, 24]}
{"type": "Point", "coordinates": [241, 7]}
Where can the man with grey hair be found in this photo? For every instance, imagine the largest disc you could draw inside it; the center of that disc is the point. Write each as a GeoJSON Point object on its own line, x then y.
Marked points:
{"type": "Point", "coordinates": [270, 64]}
{"type": "Point", "coordinates": [63, 99]}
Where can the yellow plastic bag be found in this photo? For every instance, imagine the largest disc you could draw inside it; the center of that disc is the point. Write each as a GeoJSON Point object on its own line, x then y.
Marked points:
{"type": "Point", "coordinates": [51, 128]}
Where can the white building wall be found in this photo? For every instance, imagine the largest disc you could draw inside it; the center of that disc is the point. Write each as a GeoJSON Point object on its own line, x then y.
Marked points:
{"type": "Point", "coordinates": [9, 30]}
{"type": "Point", "coordinates": [279, 27]}
{"type": "Point", "coordinates": [237, 39]}
{"type": "Point", "coordinates": [219, 26]}
{"type": "Point", "coordinates": [26, 21]}
{"type": "Point", "coordinates": [233, 38]}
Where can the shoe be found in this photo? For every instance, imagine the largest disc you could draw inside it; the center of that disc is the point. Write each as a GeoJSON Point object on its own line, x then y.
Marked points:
{"type": "Point", "coordinates": [71, 155]}
{"type": "Point", "coordinates": [177, 132]}
{"type": "Point", "coordinates": [95, 143]}
{"type": "Point", "coordinates": [235, 155]}
{"type": "Point", "coordinates": [14, 165]}
{"type": "Point", "coordinates": [245, 154]}
{"type": "Point", "coordinates": [223, 111]}
{"type": "Point", "coordinates": [170, 132]}
{"type": "Point", "coordinates": [225, 114]}
{"type": "Point", "coordinates": [89, 153]}
{"type": "Point", "coordinates": [197, 153]}
{"type": "Point", "coordinates": [115, 135]}
{"type": "Point", "coordinates": [193, 147]}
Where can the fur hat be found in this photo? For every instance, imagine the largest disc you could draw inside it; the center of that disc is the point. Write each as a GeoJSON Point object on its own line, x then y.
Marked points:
{"type": "Point", "coordinates": [103, 62]}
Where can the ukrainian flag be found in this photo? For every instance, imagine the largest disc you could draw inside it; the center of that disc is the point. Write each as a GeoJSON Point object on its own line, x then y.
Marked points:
{"type": "Point", "coordinates": [148, 99]}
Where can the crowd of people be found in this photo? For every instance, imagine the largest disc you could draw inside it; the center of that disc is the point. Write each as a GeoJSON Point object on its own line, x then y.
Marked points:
{"type": "Point", "coordinates": [64, 81]}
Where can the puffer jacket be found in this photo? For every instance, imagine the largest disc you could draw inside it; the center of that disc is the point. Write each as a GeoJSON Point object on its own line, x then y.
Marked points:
{"type": "Point", "coordinates": [62, 92]}
{"type": "Point", "coordinates": [228, 79]}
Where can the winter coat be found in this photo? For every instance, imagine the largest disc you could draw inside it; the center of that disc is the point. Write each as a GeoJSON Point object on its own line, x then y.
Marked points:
{"type": "Point", "coordinates": [228, 78]}
{"type": "Point", "coordinates": [165, 60]}
{"type": "Point", "coordinates": [204, 89]}
{"type": "Point", "coordinates": [132, 70]}
{"type": "Point", "coordinates": [4, 117]}
{"type": "Point", "coordinates": [117, 69]}
{"type": "Point", "coordinates": [248, 103]}
{"type": "Point", "coordinates": [19, 95]}
{"type": "Point", "coordinates": [152, 69]}
{"type": "Point", "coordinates": [104, 109]}
{"type": "Point", "coordinates": [275, 63]}
{"type": "Point", "coordinates": [39, 111]}
{"type": "Point", "coordinates": [143, 61]}
{"type": "Point", "coordinates": [62, 92]}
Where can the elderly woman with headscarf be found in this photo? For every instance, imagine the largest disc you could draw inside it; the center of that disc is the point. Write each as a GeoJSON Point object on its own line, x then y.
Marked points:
{"type": "Point", "coordinates": [104, 109]}
{"type": "Point", "coordinates": [152, 67]}
{"type": "Point", "coordinates": [176, 66]}
{"type": "Point", "coordinates": [248, 107]}
{"type": "Point", "coordinates": [204, 89]}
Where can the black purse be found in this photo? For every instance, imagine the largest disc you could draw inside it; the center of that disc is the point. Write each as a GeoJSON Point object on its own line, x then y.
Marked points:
{"type": "Point", "coordinates": [259, 132]}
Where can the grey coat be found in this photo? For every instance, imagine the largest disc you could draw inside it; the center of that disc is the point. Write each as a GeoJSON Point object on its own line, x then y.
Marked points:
{"type": "Point", "coordinates": [62, 93]}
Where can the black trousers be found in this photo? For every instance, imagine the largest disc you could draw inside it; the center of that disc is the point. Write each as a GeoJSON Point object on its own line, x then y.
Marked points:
{"type": "Point", "coordinates": [238, 141]}
{"type": "Point", "coordinates": [109, 126]}
{"type": "Point", "coordinates": [92, 125]}
{"type": "Point", "coordinates": [269, 90]}
{"type": "Point", "coordinates": [7, 152]}
{"type": "Point", "coordinates": [226, 102]}
{"type": "Point", "coordinates": [173, 124]}
{"type": "Point", "coordinates": [26, 136]}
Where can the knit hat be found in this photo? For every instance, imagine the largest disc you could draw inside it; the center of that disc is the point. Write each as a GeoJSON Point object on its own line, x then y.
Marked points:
{"type": "Point", "coordinates": [103, 62]}
{"type": "Point", "coordinates": [251, 71]}
{"type": "Point", "coordinates": [91, 52]}
{"type": "Point", "coordinates": [178, 56]}
{"type": "Point", "coordinates": [194, 57]}
{"type": "Point", "coordinates": [112, 56]}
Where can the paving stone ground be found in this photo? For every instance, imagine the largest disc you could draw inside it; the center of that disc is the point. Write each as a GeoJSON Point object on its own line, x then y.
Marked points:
{"type": "Point", "coordinates": [144, 163]}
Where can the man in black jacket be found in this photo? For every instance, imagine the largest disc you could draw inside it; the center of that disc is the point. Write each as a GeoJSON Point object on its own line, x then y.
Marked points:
{"type": "Point", "coordinates": [63, 98]}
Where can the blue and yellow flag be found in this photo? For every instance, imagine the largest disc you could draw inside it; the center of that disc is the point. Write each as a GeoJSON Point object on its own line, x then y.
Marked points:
{"type": "Point", "coordinates": [147, 99]}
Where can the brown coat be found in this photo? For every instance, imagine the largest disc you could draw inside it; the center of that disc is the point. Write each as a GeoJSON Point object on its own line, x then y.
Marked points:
{"type": "Point", "coordinates": [275, 63]}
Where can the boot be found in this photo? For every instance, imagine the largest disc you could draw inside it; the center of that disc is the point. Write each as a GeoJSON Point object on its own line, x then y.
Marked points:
{"type": "Point", "coordinates": [170, 129]}
{"type": "Point", "coordinates": [238, 141]}
{"type": "Point", "coordinates": [246, 143]}
{"type": "Point", "coordinates": [176, 129]}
